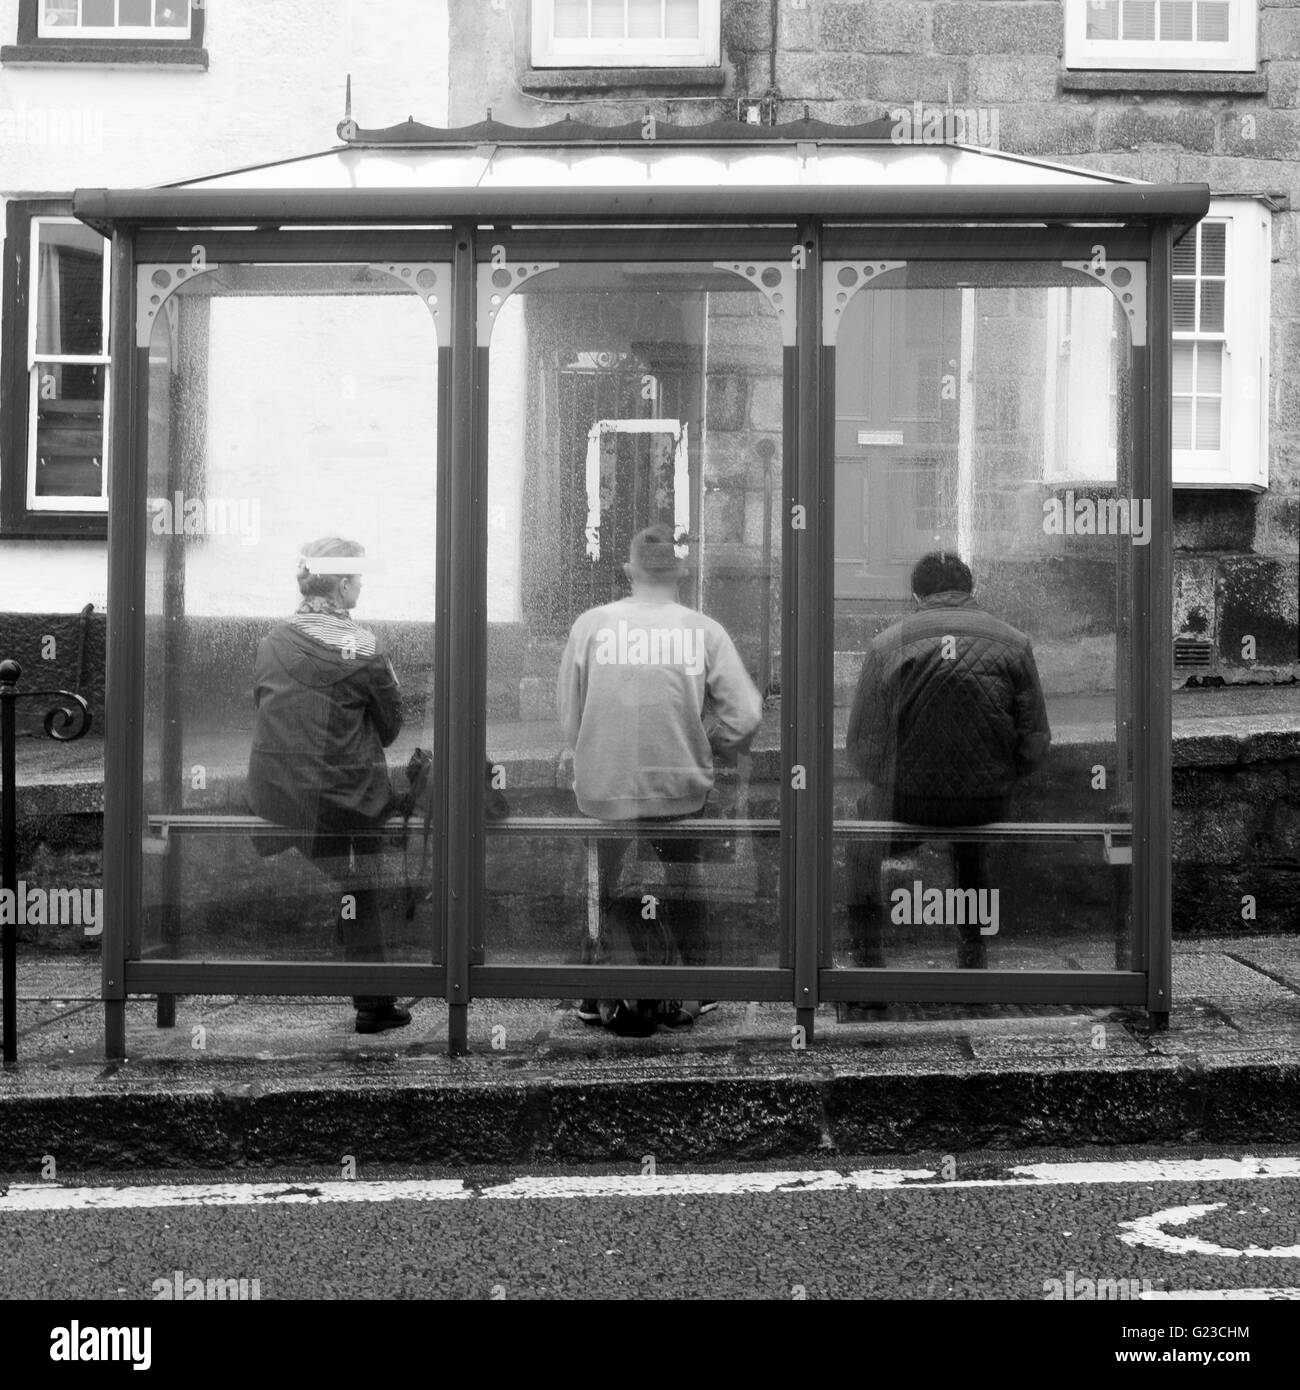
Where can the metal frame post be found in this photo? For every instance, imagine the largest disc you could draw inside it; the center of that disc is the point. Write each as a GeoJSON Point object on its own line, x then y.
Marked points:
{"type": "Point", "coordinates": [812, 564]}
{"type": "Point", "coordinates": [9, 674]}
{"type": "Point", "coordinates": [124, 684]}
{"type": "Point", "coordinates": [461, 642]}
{"type": "Point", "coordinates": [1153, 849]}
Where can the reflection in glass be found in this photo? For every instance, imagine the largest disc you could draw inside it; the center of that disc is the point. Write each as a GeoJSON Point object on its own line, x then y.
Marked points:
{"type": "Point", "coordinates": [985, 533]}
{"type": "Point", "coordinates": [625, 398]}
{"type": "Point", "coordinates": [287, 404]}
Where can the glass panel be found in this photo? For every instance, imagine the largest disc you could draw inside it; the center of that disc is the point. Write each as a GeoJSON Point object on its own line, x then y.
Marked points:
{"type": "Point", "coordinates": [69, 429]}
{"type": "Point", "coordinates": [289, 405]}
{"type": "Point", "coordinates": [1103, 19]}
{"type": "Point", "coordinates": [1211, 306]}
{"type": "Point", "coordinates": [625, 681]}
{"type": "Point", "coordinates": [1207, 424]}
{"type": "Point", "coordinates": [173, 15]}
{"type": "Point", "coordinates": [136, 12]}
{"type": "Point", "coordinates": [1213, 247]}
{"type": "Point", "coordinates": [607, 19]}
{"type": "Point", "coordinates": [1182, 367]}
{"type": "Point", "coordinates": [981, 621]}
{"type": "Point", "coordinates": [570, 19]}
{"type": "Point", "coordinates": [1182, 423]}
{"type": "Point", "coordinates": [645, 19]}
{"type": "Point", "coordinates": [1184, 256]}
{"type": "Point", "coordinates": [69, 290]}
{"type": "Point", "coordinates": [1139, 19]}
{"type": "Point", "coordinates": [1209, 367]}
{"type": "Point", "coordinates": [1176, 21]}
{"type": "Point", "coordinates": [1213, 21]}
{"type": "Point", "coordinates": [97, 14]}
{"type": "Point", "coordinates": [1184, 305]}
{"type": "Point", "coordinates": [60, 12]}
{"type": "Point", "coordinates": [683, 19]}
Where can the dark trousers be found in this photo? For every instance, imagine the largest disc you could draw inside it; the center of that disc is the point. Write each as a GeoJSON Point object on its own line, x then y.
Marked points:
{"type": "Point", "coordinates": [665, 931]}
{"type": "Point", "coordinates": [353, 864]}
{"type": "Point", "coordinates": [867, 911]}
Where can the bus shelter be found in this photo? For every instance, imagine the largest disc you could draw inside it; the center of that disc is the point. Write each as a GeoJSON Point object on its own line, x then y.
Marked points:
{"type": "Point", "coordinates": [826, 358]}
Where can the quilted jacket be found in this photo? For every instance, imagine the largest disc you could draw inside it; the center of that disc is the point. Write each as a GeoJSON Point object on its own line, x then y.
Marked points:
{"type": "Point", "coordinates": [948, 713]}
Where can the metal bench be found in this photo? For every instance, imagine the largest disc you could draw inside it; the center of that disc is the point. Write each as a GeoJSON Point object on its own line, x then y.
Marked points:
{"type": "Point", "coordinates": [1115, 839]}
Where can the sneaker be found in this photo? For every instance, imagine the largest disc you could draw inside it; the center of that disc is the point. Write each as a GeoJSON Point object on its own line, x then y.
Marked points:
{"type": "Point", "coordinates": [376, 1020]}
{"type": "Point", "coordinates": [707, 1006]}
{"type": "Point", "coordinates": [588, 1010]}
{"type": "Point", "coordinates": [626, 1019]}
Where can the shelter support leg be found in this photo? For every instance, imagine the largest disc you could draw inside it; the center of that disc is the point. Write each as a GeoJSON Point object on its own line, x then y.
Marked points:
{"type": "Point", "coordinates": [115, 1030]}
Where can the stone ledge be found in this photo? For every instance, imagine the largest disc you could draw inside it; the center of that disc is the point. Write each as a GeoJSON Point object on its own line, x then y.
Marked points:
{"type": "Point", "coordinates": [110, 53]}
{"type": "Point", "coordinates": [603, 79]}
{"type": "Point", "coordinates": [1182, 83]}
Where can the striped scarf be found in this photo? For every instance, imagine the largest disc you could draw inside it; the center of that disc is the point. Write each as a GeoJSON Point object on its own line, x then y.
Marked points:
{"type": "Point", "coordinates": [333, 627]}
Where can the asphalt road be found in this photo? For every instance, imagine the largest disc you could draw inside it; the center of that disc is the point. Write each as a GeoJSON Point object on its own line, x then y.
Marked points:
{"type": "Point", "coordinates": [923, 1237]}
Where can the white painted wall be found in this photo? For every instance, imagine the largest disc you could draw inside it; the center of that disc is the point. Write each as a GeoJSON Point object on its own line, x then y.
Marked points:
{"type": "Point", "coordinates": [274, 88]}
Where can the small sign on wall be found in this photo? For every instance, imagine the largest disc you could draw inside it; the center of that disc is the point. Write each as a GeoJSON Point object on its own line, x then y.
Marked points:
{"type": "Point", "coordinates": [880, 436]}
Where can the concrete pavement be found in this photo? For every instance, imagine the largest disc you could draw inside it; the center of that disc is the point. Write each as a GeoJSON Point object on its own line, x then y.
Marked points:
{"type": "Point", "coordinates": [261, 1081]}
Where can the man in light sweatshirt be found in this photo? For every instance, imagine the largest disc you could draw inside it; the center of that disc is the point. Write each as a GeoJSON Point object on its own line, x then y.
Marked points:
{"type": "Point", "coordinates": [649, 692]}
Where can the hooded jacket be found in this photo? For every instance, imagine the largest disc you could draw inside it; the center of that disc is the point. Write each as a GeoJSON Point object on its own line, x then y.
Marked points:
{"type": "Point", "coordinates": [948, 713]}
{"type": "Point", "coordinates": [327, 706]}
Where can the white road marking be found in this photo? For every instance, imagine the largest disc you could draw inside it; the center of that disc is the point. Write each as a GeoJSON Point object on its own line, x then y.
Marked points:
{"type": "Point", "coordinates": [51, 1197]}
{"type": "Point", "coordinates": [1150, 1230]}
{"type": "Point", "coordinates": [701, 1184]}
{"type": "Point", "coordinates": [1221, 1295]}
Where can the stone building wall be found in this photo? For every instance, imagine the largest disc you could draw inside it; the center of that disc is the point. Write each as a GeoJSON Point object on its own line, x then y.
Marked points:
{"type": "Point", "coordinates": [1236, 568]}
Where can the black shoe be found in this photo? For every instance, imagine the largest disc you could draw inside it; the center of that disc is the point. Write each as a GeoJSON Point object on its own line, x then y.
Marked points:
{"type": "Point", "coordinates": [588, 1010]}
{"type": "Point", "coordinates": [670, 1014]}
{"type": "Point", "coordinates": [628, 1021]}
{"type": "Point", "coordinates": [376, 1020]}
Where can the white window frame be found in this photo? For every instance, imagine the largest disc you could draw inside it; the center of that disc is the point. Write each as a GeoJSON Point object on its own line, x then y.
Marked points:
{"type": "Point", "coordinates": [85, 502]}
{"type": "Point", "coordinates": [1238, 54]}
{"type": "Point", "coordinates": [550, 52]}
{"type": "Point", "coordinates": [1079, 373]}
{"type": "Point", "coordinates": [1241, 460]}
{"type": "Point", "coordinates": [180, 33]}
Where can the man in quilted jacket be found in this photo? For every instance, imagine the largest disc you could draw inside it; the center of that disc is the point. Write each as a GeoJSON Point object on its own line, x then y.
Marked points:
{"type": "Point", "coordinates": [948, 714]}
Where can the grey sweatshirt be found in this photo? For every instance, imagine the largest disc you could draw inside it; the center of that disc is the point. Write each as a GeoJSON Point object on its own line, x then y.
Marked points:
{"type": "Point", "coordinates": [648, 692]}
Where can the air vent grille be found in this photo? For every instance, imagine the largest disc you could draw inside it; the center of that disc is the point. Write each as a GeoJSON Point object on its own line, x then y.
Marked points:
{"type": "Point", "coordinates": [1192, 653]}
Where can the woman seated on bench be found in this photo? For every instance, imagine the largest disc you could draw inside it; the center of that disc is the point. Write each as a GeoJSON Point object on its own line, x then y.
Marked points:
{"type": "Point", "coordinates": [327, 707]}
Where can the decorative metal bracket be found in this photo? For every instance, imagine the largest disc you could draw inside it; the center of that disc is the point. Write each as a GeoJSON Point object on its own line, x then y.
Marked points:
{"type": "Point", "coordinates": [497, 281]}
{"type": "Point", "coordinates": [841, 280]}
{"type": "Point", "coordinates": [154, 284]}
{"type": "Point", "coordinates": [776, 281]}
{"type": "Point", "coordinates": [60, 716]}
{"type": "Point", "coordinates": [1127, 281]}
{"type": "Point", "coordinates": [431, 280]}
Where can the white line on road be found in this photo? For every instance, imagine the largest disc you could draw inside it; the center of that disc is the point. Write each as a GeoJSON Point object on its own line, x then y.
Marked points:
{"type": "Point", "coordinates": [1223, 1295]}
{"type": "Point", "coordinates": [50, 1197]}
{"type": "Point", "coordinates": [1150, 1230]}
